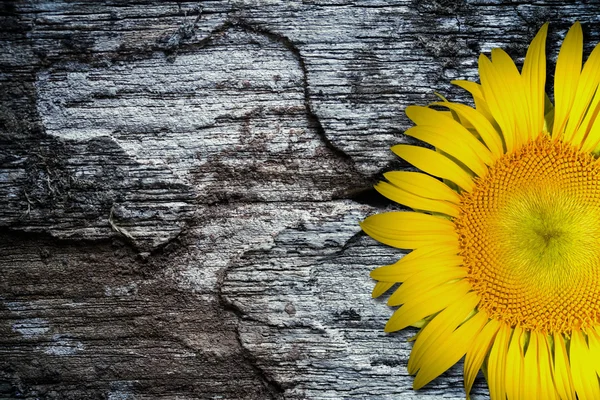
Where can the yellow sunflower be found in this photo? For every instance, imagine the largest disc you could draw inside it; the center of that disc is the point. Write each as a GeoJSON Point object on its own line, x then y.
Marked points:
{"type": "Point", "coordinates": [505, 261]}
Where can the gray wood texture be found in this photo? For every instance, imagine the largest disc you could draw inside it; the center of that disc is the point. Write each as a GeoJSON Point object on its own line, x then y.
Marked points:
{"type": "Point", "coordinates": [181, 185]}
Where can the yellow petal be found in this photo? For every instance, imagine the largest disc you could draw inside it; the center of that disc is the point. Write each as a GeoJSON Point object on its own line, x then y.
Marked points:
{"type": "Point", "coordinates": [515, 366]}
{"type": "Point", "coordinates": [416, 202]}
{"type": "Point", "coordinates": [471, 87]}
{"type": "Point", "coordinates": [409, 230]}
{"type": "Point", "coordinates": [534, 79]}
{"type": "Point", "coordinates": [451, 144]}
{"type": "Point", "coordinates": [419, 324]}
{"type": "Point", "coordinates": [480, 123]}
{"type": "Point", "coordinates": [422, 185]}
{"type": "Point", "coordinates": [411, 222]}
{"type": "Point", "coordinates": [566, 77]}
{"type": "Point", "coordinates": [426, 304]}
{"type": "Point", "coordinates": [444, 125]}
{"type": "Point", "coordinates": [548, 114]}
{"type": "Point", "coordinates": [381, 287]}
{"type": "Point", "coordinates": [545, 368]}
{"type": "Point", "coordinates": [532, 369]}
{"type": "Point", "coordinates": [435, 164]}
{"type": "Point", "coordinates": [583, 370]}
{"type": "Point", "coordinates": [562, 369]}
{"type": "Point", "coordinates": [439, 328]}
{"type": "Point", "coordinates": [494, 86]}
{"type": "Point", "coordinates": [424, 281]}
{"type": "Point", "coordinates": [589, 139]}
{"type": "Point", "coordinates": [586, 87]}
{"type": "Point", "coordinates": [416, 261]}
{"type": "Point", "coordinates": [448, 352]}
{"type": "Point", "coordinates": [402, 270]}
{"type": "Point", "coordinates": [592, 140]}
{"type": "Point", "coordinates": [406, 241]}
{"type": "Point", "coordinates": [477, 353]}
{"type": "Point", "coordinates": [497, 364]}
{"type": "Point", "coordinates": [515, 91]}
{"type": "Point", "coordinates": [594, 345]}
{"type": "Point", "coordinates": [480, 103]}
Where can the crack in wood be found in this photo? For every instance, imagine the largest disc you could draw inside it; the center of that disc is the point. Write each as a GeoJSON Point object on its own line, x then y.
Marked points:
{"type": "Point", "coordinates": [275, 389]}
{"type": "Point", "coordinates": [311, 116]}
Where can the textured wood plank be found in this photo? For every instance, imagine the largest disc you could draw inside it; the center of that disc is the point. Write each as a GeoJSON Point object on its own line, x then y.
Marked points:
{"type": "Point", "coordinates": [94, 320]}
{"type": "Point", "coordinates": [312, 312]}
{"type": "Point", "coordinates": [180, 186]}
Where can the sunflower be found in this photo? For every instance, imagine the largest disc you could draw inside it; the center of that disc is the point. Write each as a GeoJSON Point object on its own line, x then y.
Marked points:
{"type": "Point", "coordinates": [505, 229]}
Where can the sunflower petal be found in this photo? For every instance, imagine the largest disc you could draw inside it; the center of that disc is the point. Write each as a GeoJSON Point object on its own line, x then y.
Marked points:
{"type": "Point", "coordinates": [480, 123]}
{"type": "Point", "coordinates": [441, 124]}
{"type": "Point", "coordinates": [435, 164]}
{"type": "Point", "coordinates": [401, 271]}
{"type": "Point", "coordinates": [424, 281]}
{"type": "Point", "coordinates": [562, 369]}
{"type": "Point", "coordinates": [497, 363]}
{"type": "Point", "coordinates": [426, 304]}
{"type": "Point", "coordinates": [447, 352]}
{"type": "Point", "coordinates": [515, 366]}
{"type": "Point", "coordinates": [480, 103]}
{"type": "Point", "coordinates": [586, 87]}
{"type": "Point", "coordinates": [416, 202]}
{"type": "Point", "coordinates": [589, 139]}
{"type": "Point", "coordinates": [416, 261]}
{"type": "Point", "coordinates": [545, 366]}
{"type": "Point", "coordinates": [534, 78]}
{"type": "Point", "coordinates": [422, 185]}
{"type": "Point", "coordinates": [409, 230]}
{"type": "Point", "coordinates": [410, 222]}
{"type": "Point", "coordinates": [583, 370]}
{"type": "Point", "coordinates": [493, 86]}
{"type": "Point", "coordinates": [592, 140]}
{"type": "Point", "coordinates": [532, 369]}
{"type": "Point", "coordinates": [450, 144]}
{"type": "Point", "coordinates": [476, 354]}
{"type": "Point", "coordinates": [380, 288]}
{"type": "Point", "coordinates": [566, 77]}
{"type": "Point", "coordinates": [439, 328]}
{"type": "Point", "coordinates": [471, 87]}
{"type": "Point", "coordinates": [594, 344]}
{"type": "Point", "coordinates": [405, 241]}
{"type": "Point", "coordinates": [515, 90]}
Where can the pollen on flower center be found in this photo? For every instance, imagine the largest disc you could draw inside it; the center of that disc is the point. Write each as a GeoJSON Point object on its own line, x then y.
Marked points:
{"type": "Point", "coordinates": [530, 238]}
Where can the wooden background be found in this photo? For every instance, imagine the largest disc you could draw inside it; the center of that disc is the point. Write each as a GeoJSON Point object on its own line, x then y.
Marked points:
{"type": "Point", "coordinates": [181, 185]}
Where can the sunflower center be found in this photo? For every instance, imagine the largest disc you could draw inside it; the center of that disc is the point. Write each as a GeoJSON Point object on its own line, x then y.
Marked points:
{"type": "Point", "coordinates": [530, 238]}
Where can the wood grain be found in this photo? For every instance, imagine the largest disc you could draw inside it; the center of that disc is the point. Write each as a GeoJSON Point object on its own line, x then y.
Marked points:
{"type": "Point", "coordinates": [181, 185]}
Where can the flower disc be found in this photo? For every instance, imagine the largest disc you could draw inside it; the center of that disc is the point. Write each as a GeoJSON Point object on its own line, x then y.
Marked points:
{"type": "Point", "coordinates": [530, 238]}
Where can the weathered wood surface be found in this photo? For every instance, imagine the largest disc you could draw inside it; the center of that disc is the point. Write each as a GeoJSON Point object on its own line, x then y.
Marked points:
{"type": "Point", "coordinates": [180, 186]}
